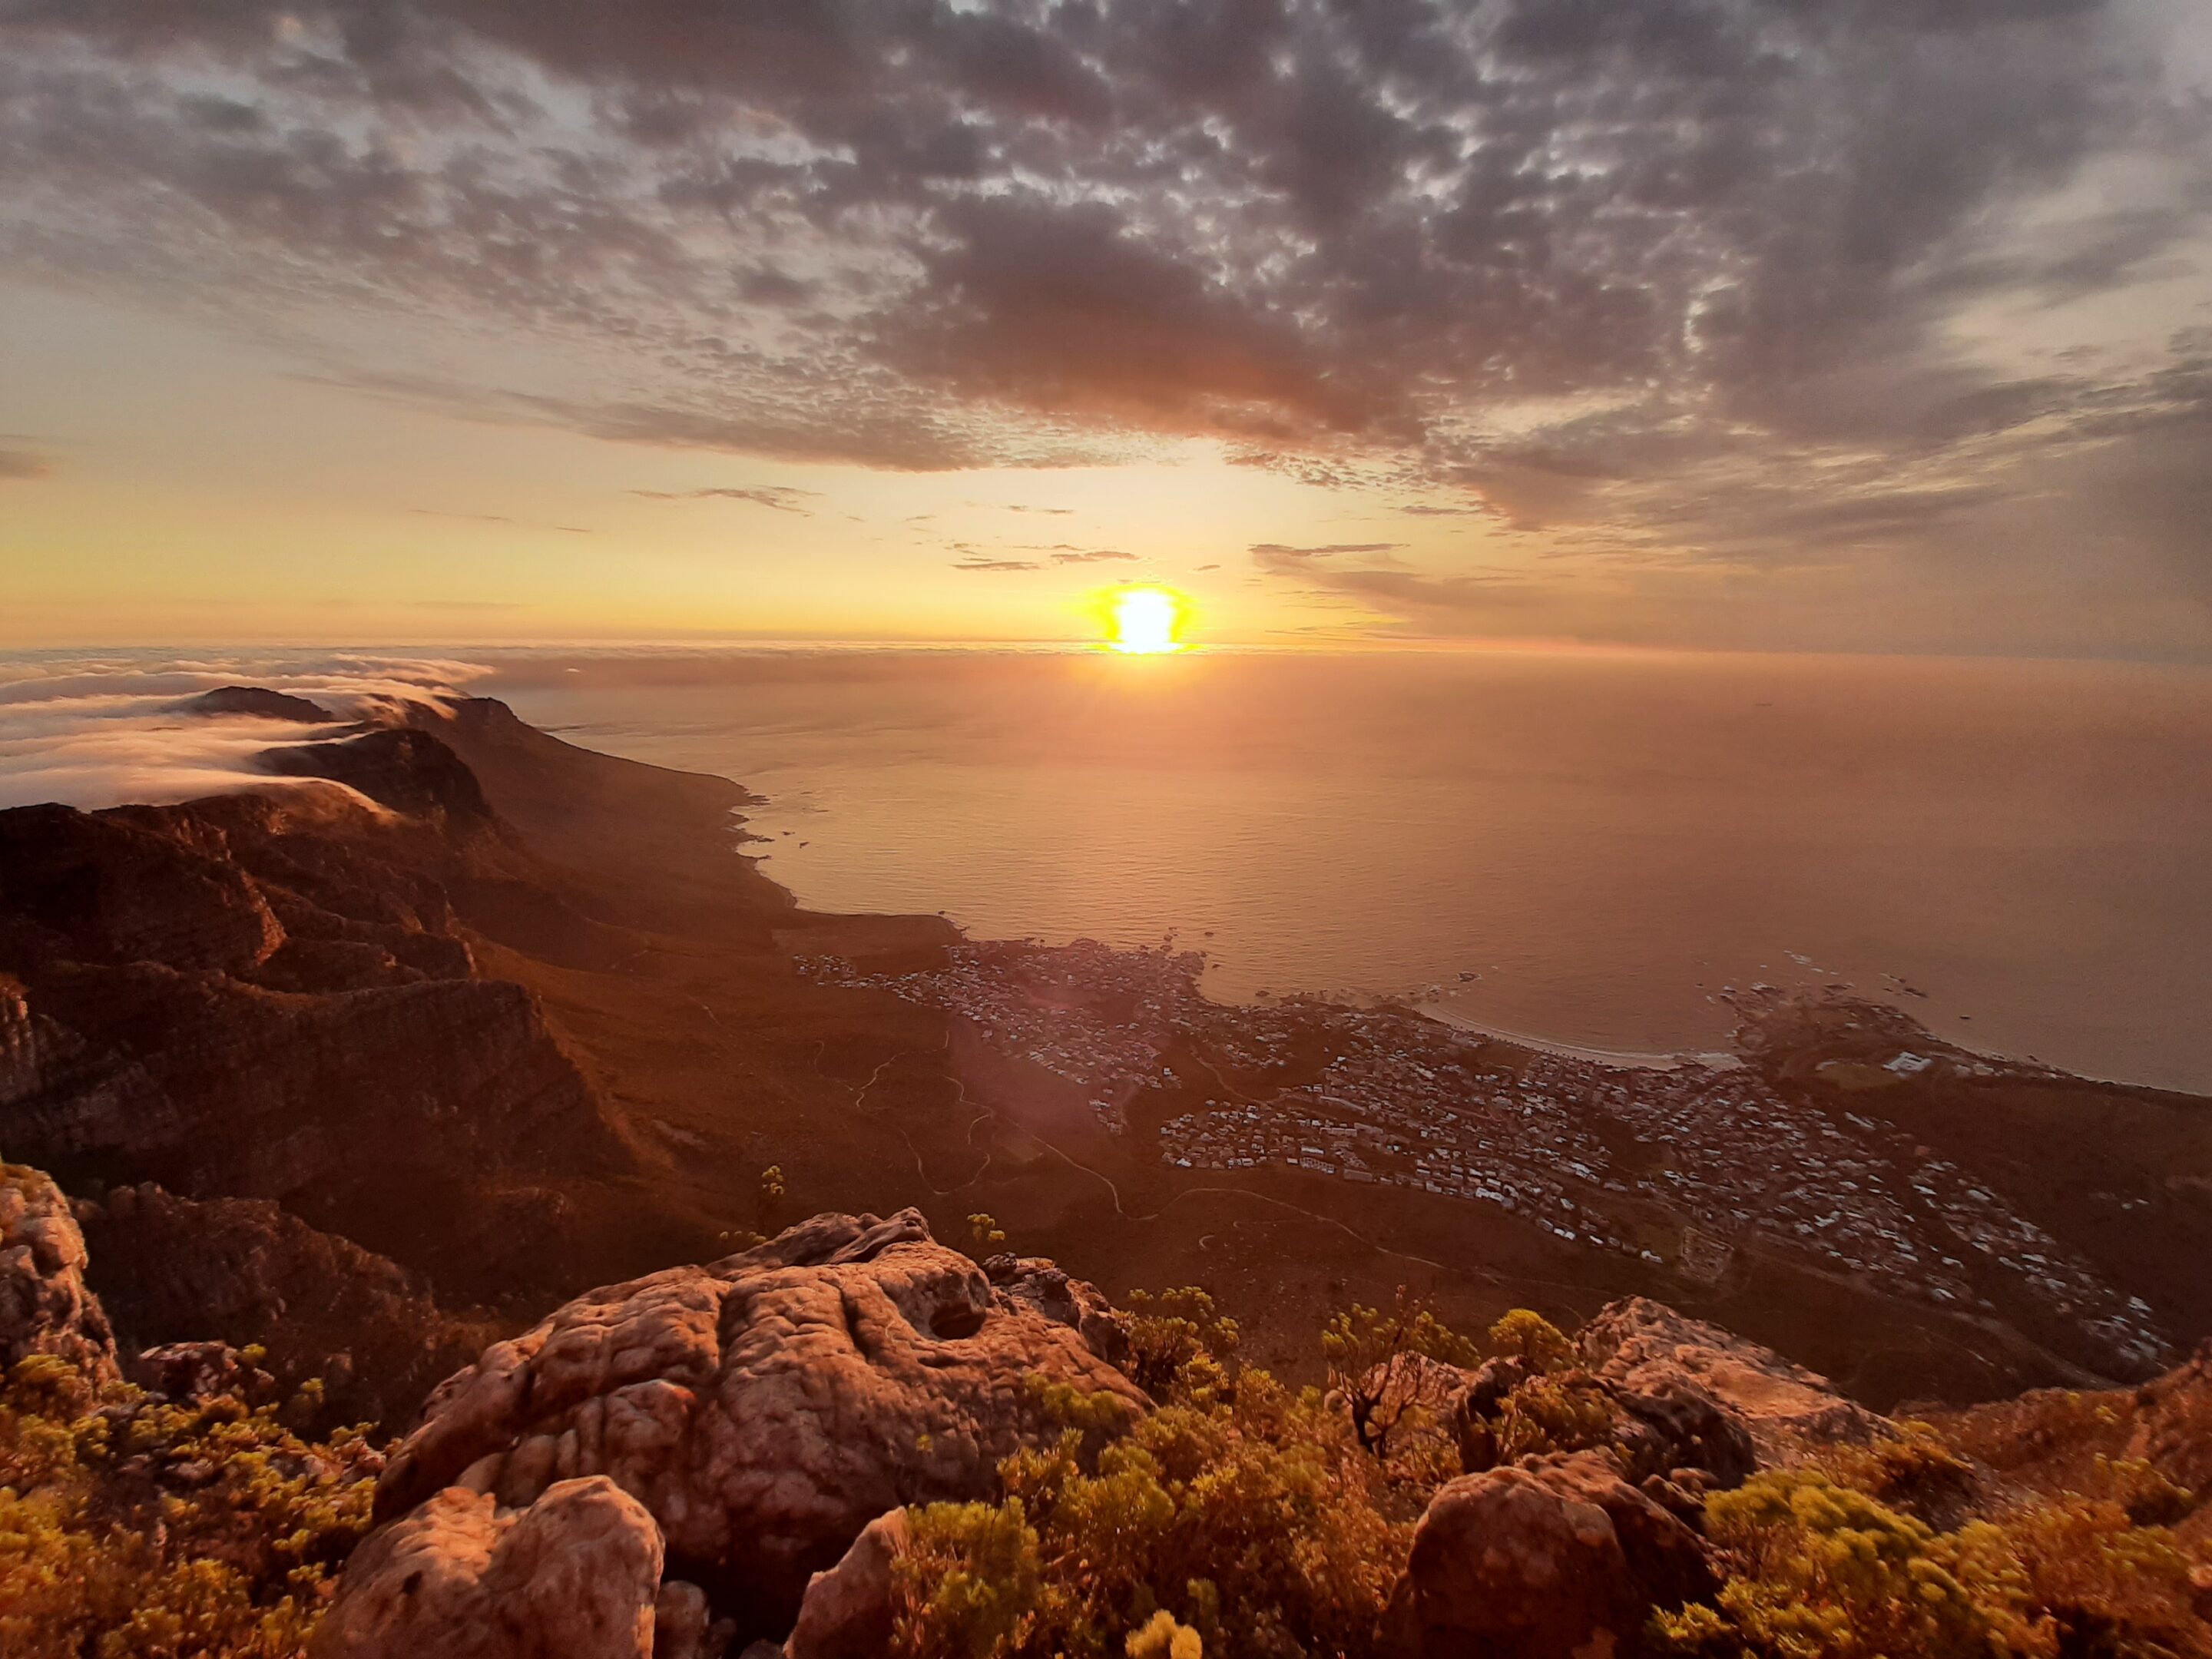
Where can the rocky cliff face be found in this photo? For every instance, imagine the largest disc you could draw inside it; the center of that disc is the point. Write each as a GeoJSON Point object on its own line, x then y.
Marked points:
{"type": "Point", "coordinates": [275, 997]}
{"type": "Point", "coordinates": [246, 1272]}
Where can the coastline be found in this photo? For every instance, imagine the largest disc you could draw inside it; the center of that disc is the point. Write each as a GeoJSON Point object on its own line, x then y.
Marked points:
{"type": "Point", "coordinates": [1626, 1059]}
{"type": "Point", "coordinates": [713, 1028]}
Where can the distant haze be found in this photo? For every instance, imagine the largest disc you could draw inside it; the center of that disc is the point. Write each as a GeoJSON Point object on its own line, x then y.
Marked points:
{"type": "Point", "coordinates": [1606, 840]}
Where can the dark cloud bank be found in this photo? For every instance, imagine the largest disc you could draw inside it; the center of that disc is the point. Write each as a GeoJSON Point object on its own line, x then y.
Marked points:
{"type": "Point", "coordinates": [1675, 283]}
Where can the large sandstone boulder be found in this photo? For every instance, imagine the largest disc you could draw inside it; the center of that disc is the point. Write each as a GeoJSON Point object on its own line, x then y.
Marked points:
{"type": "Point", "coordinates": [764, 1408]}
{"type": "Point", "coordinates": [1555, 1559]}
{"type": "Point", "coordinates": [1646, 1348]}
{"type": "Point", "coordinates": [44, 1308]}
{"type": "Point", "coordinates": [850, 1611]}
{"type": "Point", "coordinates": [575, 1575]}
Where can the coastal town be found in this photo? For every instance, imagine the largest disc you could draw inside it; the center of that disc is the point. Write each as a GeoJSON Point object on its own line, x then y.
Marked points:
{"type": "Point", "coordinates": [1676, 1166]}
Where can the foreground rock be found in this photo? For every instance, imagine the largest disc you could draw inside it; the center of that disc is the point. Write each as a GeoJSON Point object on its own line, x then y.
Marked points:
{"type": "Point", "coordinates": [765, 1408]}
{"type": "Point", "coordinates": [850, 1611]}
{"type": "Point", "coordinates": [576, 1575]}
{"type": "Point", "coordinates": [45, 1306]}
{"type": "Point", "coordinates": [1557, 1558]}
{"type": "Point", "coordinates": [1646, 1348]}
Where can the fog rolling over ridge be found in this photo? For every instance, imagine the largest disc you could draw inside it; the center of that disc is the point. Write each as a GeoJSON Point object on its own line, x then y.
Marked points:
{"type": "Point", "coordinates": [1606, 840]}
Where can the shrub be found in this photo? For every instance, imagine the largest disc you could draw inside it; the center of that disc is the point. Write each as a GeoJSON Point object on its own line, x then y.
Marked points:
{"type": "Point", "coordinates": [1820, 1570]}
{"type": "Point", "coordinates": [1562, 1413]}
{"type": "Point", "coordinates": [1914, 1470]}
{"type": "Point", "coordinates": [1362, 1346]}
{"type": "Point", "coordinates": [1825, 1572]}
{"type": "Point", "coordinates": [130, 1526]}
{"type": "Point", "coordinates": [1169, 1332]}
{"type": "Point", "coordinates": [1164, 1639]}
{"type": "Point", "coordinates": [984, 1230]}
{"type": "Point", "coordinates": [1247, 1515]}
{"type": "Point", "coordinates": [1529, 1335]}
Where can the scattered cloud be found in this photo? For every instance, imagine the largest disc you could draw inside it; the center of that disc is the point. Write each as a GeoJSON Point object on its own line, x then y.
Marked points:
{"type": "Point", "coordinates": [781, 497]}
{"type": "Point", "coordinates": [1276, 552]}
{"type": "Point", "coordinates": [499, 518]}
{"type": "Point", "coordinates": [1712, 284]}
{"type": "Point", "coordinates": [24, 464]}
{"type": "Point", "coordinates": [998, 564]}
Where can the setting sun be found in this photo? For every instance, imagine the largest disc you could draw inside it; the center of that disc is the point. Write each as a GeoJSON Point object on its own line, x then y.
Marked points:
{"type": "Point", "coordinates": [1145, 621]}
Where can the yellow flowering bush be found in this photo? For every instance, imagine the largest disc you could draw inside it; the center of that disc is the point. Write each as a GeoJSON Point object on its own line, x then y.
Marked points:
{"type": "Point", "coordinates": [131, 1528]}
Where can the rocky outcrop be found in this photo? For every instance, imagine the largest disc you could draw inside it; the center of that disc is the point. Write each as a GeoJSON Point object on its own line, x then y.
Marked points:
{"type": "Point", "coordinates": [1555, 1559]}
{"type": "Point", "coordinates": [45, 1307]}
{"type": "Point", "coordinates": [764, 1408]}
{"type": "Point", "coordinates": [187, 1272]}
{"type": "Point", "coordinates": [202, 1371]}
{"type": "Point", "coordinates": [1644, 1348]}
{"type": "Point", "coordinates": [1033, 1282]}
{"type": "Point", "coordinates": [576, 1575]}
{"type": "Point", "coordinates": [19, 1060]}
{"type": "Point", "coordinates": [848, 1612]}
{"type": "Point", "coordinates": [99, 889]}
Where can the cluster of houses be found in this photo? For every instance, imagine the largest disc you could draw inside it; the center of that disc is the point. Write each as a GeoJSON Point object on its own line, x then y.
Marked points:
{"type": "Point", "coordinates": [1585, 1151]}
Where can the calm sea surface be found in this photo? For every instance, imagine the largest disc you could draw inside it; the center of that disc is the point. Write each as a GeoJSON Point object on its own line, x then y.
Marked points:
{"type": "Point", "coordinates": [1577, 847]}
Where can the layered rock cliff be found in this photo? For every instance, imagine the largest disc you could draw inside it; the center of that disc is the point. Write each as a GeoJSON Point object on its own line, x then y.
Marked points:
{"type": "Point", "coordinates": [275, 996]}
{"type": "Point", "coordinates": [247, 1272]}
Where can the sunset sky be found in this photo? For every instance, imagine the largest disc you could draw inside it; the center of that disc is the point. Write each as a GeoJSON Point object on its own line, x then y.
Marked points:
{"type": "Point", "coordinates": [1824, 325]}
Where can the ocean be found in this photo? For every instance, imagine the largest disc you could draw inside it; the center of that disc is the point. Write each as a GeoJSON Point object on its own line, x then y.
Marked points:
{"type": "Point", "coordinates": [1578, 846]}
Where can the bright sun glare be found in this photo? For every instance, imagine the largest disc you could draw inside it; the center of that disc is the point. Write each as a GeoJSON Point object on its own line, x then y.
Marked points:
{"type": "Point", "coordinates": [1145, 621]}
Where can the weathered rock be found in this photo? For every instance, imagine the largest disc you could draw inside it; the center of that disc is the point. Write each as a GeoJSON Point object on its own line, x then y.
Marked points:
{"type": "Point", "coordinates": [1065, 1300]}
{"type": "Point", "coordinates": [1475, 1405]}
{"type": "Point", "coordinates": [45, 1306]}
{"type": "Point", "coordinates": [684, 1627]}
{"type": "Point", "coordinates": [849, 1610]}
{"type": "Point", "coordinates": [1672, 1425]}
{"type": "Point", "coordinates": [574, 1576]}
{"type": "Point", "coordinates": [1555, 1559]}
{"type": "Point", "coordinates": [202, 1371]}
{"type": "Point", "coordinates": [1644, 1348]}
{"type": "Point", "coordinates": [765, 1408]}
